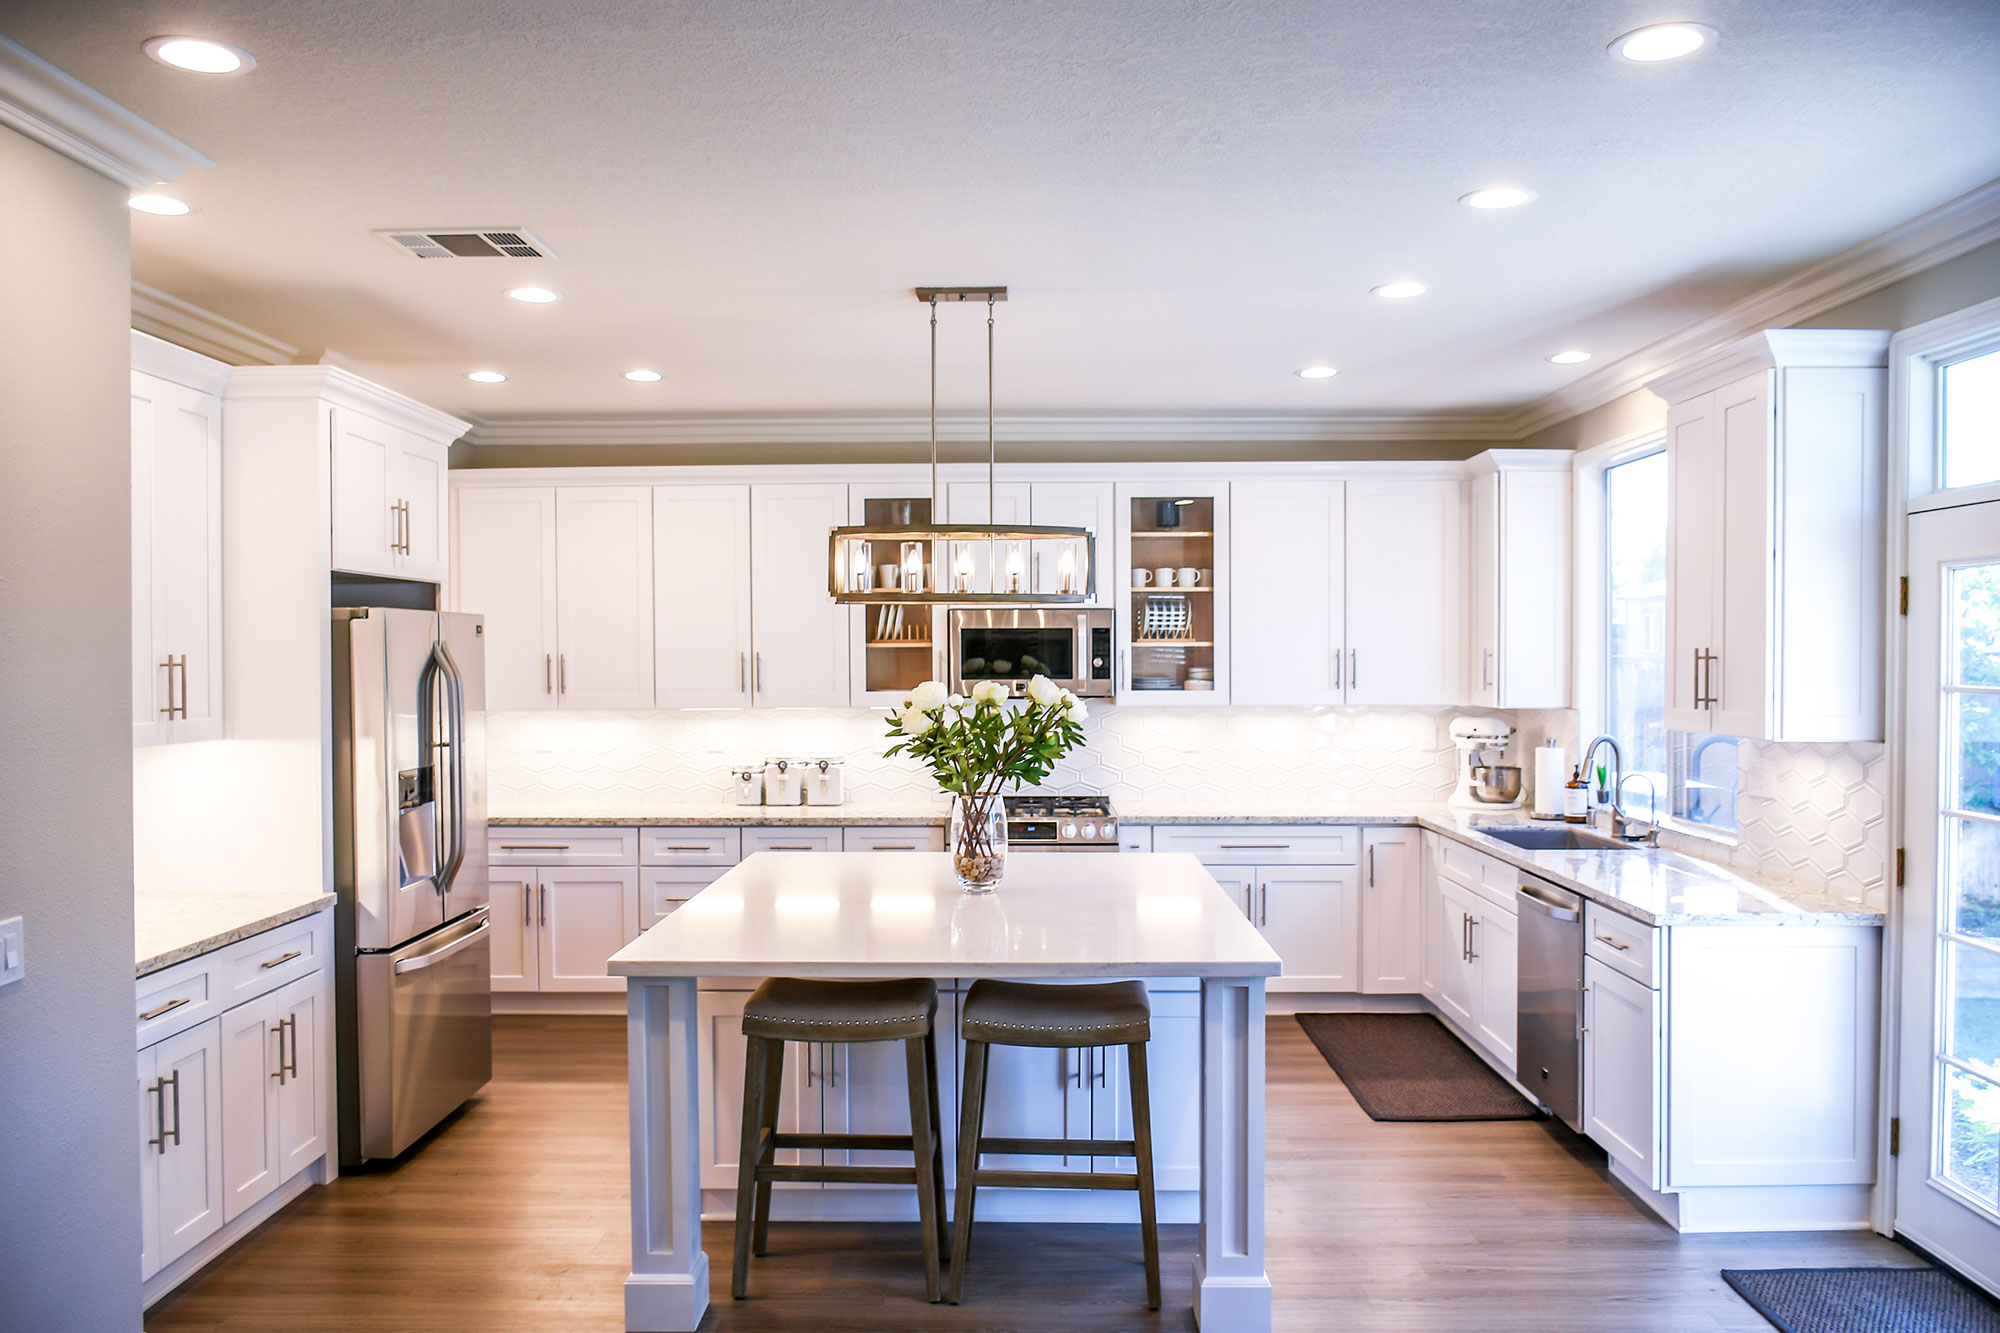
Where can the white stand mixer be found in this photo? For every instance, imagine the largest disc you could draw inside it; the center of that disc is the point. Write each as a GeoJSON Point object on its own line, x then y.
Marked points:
{"type": "Point", "coordinates": [1484, 782]}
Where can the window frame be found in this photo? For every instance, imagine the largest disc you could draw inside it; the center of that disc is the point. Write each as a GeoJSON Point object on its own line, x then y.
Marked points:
{"type": "Point", "coordinates": [1917, 358]}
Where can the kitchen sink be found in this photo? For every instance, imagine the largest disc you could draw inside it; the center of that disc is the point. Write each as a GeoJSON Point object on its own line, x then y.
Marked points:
{"type": "Point", "coordinates": [1558, 840]}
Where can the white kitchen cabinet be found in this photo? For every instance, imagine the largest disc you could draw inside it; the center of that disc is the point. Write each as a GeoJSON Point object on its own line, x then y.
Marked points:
{"type": "Point", "coordinates": [664, 890]}
{"type": "Point", "coordinates": [1174, 648]}
{"type": "Point", "coordinates": [701, 596]}
{"type": "Point", "coordinates": [1775, 537]}
{"type": "Point", "coordinates": [389, 498]}
{"type": "Point", "coordinates": [181, 1178]}
{"type": "Point", "coordinates": [1621, 1073]}
{"type": "Point", "coordinates": [273, 1105]}
{"type": "Point", "coordinates": [604, 595]}
{"type": "Point", "coordinates": [1077, 504]}
{"type": "Point", "coordinates": [515, 945]}
{"type": "Point", "coordinates": [1391, 912]}
{"type": "Point", "coordinates": [1519, 566]}
{"type": "Point", "coordinates": [1240, 883]}
{"type": "Point", "coordinates": [1475, 939]}
{"type": "Point", "coordinates": [1404, 580]}
{"type": "Point", "coordinates": [1288, 623]}
{"type": "Point", "coordinates": [1495, 953]}
{"type": "Point", "coordinates": [894, 647]}
{"type": "Point", "coordinates": [1458, 988]}
{"type": "Point", "coordinates": [1311, 915]}
{"type": "Point", "coordinates": [504, 569]}
{"type": "Point", "coordinates": [583, 916]}
{"type": "Point", "coordinates": [1038, 1092]}
{"type": "Point", "coordinates": [176, 544]}
{"type": "Point", "coordinates": [720, 1060]}
{"type": "Point", "coordinates": [799, 653]}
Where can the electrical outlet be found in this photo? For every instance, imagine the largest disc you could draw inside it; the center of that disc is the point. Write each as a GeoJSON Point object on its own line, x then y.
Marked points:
{"type": "Point", "coordinates": [13, 949]}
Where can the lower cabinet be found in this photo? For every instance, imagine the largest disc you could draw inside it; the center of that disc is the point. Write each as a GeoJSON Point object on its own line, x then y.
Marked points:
{"type": "Point", "coordinates": [1309, 914]}
{"type": "Point", "coordinates": [1471, 943]}
{"type": "Point", "coordinates": [1621, 1050]}
{"type": "Point", "coordinates": [272, 1100]}
{"type": "Point", "coordinates": [180, 1125]}
{"type": "Point", "coordinates": [556, 927]}
{"type": "Point", "coordinates": [1391, 910]}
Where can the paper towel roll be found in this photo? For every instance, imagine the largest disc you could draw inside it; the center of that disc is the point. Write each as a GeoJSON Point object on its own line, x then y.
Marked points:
{"type": "Point", "coordinates": [1551, 776]}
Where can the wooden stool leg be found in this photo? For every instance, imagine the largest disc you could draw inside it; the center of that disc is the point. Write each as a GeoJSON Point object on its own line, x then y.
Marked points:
{"type": "Point", "coordinates": [937, 1142]}
{"type": "Point", "coordinates": [923, 1156]}
{"type": "Point", "coordinates": [755, 1057]}
{"type": "Point", "coordinates": [1142, 1143]}
{"type": "Point", "coordinates": [971, 1115]}
{"type": "Point", "coordinates": [774, 1079]}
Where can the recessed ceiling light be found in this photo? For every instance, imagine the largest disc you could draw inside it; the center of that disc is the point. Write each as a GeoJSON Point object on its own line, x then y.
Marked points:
{"type": "Point", "coordinates": [1318, 373]}
{"type": "Point", "coordinates": [535, 295]}
{"type": "Point", "coordinates": [165, 205]}
{"type": "Point", "coordinates": [1400, 291]}
{"type": "Point", "coordinates": [1662, 41]}
{"type": "Point", "coordinates": [1570, 358]}
{"type": "Point", "coordinates": [199, 55]}
{"type": "Point", "coordinates": [487, 377]}
{"type": "Point", "coordinates": [643, 376]}
{"type": "Point", "coordinates": [1497, 196]}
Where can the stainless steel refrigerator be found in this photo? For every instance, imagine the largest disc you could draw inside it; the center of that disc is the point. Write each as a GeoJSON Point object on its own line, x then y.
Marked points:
{"type": "Point", "coordinates": [412, 939]}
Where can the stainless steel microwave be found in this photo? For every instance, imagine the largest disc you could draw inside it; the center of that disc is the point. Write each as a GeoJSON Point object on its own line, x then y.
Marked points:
{"type": "Point", "coordinates": [1071, 645]}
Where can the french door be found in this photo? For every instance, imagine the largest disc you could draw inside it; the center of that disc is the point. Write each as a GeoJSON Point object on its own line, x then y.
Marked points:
{"type": "Point", "coordinates": [1948, 1167]}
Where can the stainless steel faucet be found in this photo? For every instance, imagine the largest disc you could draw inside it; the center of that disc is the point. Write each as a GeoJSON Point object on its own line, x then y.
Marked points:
{"type": "Point", "coordinates": [1618, 823]}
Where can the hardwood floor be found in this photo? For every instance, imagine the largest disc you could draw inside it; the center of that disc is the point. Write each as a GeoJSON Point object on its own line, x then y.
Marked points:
{"type": "Point", "coordinates": [514, 1217]}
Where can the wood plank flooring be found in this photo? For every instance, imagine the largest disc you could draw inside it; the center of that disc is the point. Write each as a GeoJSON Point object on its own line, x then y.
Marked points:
{"type": "Point", "coordinates": [514, 1216]}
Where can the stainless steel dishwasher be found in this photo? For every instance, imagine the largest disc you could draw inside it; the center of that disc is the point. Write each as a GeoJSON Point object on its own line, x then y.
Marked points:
{"type": "Point", "coordinates": [1548, 998]}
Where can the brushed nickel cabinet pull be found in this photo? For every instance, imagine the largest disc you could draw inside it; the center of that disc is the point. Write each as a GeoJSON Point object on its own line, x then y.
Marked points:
{"type": "Point", "coordinates": [543, 895]}
{"type": "Point", "coordinates": [1353, 668]}
{"type": "Point", "coordinates": [1471, 935]}
{"type": "Point", "coordinates": [757, 672]}
{"type": "Point", "coordinates": [562, 674]}
{"type": "Point", "coordinates": [292, 1065]}
{"type": "Point", "coordinates": [278, 1031]}
{"type": "Point", "coordinates": [280, 960]}
{"type": "Point", "coordinates": [1614, 943]}
{"type": "Point", "coordinates": [159, 1142]}
{"type": "Point", "coordinates": [548, 673]}
{"type": "Point", "coordinates": [527, 905]}
{"type": "Point", "coordinates": [742, 667]}
{"type": "Point", "coordinates": [1256, 846]}
{"type": "Point", "coordinates": [1371, 867]}
{"type": "Point", "coordinates": [534, 846]}
{"type": "Point", "coordinates": [681, 847]}
{"type": "Point", "coordinates": [175, 1079]}
{"type": "Point", "coordinates": [168, 1007]}
{"type": "Point", "coordinates": [168, 667]}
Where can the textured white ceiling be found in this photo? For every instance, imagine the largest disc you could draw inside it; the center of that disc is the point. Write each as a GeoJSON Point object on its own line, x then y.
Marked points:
{"type": "Point", "coordinates": [1189, 201]}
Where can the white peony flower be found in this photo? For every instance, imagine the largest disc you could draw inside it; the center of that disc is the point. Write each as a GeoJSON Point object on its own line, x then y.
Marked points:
{"type": "Point", "coordinates": [956, 701]}
{"type": "Point", "coordinates": [1043, 691]}
{"type": "Point", "coordinates": [989, 692]}
{"type": "Point", "coordinates": [1077, 709]}
{"type": "Point", "coordinates": [928, 695]}
{"type": "Point", "coordinates": [916, 722]}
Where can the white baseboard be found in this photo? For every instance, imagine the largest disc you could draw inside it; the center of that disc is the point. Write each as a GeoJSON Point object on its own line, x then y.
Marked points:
{"type": "Point", "coordinates": [185, 1267]}
{"type": "Point", "coordinates": [1320, 1002]}
{"type": "Point", "coordinates": [1724, 1208]}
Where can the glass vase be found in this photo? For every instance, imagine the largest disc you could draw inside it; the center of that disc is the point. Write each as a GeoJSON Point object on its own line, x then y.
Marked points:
{"type": "Point", "coordinates": [978, 841]}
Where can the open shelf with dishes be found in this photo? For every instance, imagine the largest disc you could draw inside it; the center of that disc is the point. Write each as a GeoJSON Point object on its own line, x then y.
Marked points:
{"type": "Point", "coordinates": [898, 642]}
{"type": "Point", "coordinates": [1172, 593]}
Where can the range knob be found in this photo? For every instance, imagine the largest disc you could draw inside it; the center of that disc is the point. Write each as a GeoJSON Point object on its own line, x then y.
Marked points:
{"type": "Point", "coordinates": [1069, 830]}
{"type": "Point", "coordinates": [1090, 832]}
{"type": "Point", "coordinates": [1109, 828]}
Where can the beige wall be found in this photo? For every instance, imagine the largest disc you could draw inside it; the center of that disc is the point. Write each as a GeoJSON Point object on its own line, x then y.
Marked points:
{"type": "Point", "coordinates": [69, 1178]}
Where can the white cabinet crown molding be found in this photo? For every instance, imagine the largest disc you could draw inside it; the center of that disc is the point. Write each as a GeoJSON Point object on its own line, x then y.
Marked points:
{"type": "Point", "coordinates": [885, 474]}
{"type": "Point", "coordinates": [177, 365]}
{"type": "Point", "coordinates": [67, 115]}
{"type": "Point", "coordinates": [1519, 460]}
{"type": "Point", "coordinates": [344, 388]}
{"type": "Point", "coordinates": [1778, 349]}
{"type": "Point", "coordinates": [187, 325]}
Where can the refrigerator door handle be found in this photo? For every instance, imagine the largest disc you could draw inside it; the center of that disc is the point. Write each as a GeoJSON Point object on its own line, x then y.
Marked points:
{"type": "Point", "coordinates": [451, 740]}
{"type": "Point", "coordinates": [422, 961]}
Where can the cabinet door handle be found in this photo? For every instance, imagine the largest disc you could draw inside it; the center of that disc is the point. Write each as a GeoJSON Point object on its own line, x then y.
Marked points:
{"type": "Point", "coordinates": [1125, 667]}
{"type": "Point", "coordinates": [742, 668]}
{"type": "Point", "coordinates": [292, 1065]}
{"type": "Point", "coordinates": [175, 1079]}
{"type": "Point", "coordinates": [1256, 846]}
{"type": "Point", "coordinates": [1707, 681]}
{"type": "Point", "coordinates": [1464, 936]}
{"type": "Point", "coordinates": [562, 674]}
{"type": "Point", "coordinates": [278, 1031]}
{"type": "Point", "coordinates": [1620, 946]}
{"type": "Point", "coordinates": [527, 905]}
{"type": "Point", "coordinates": [1486, 669]}
{"type": "Point", "coordinates": [1471, 937]}
{"type": "Point", "coordinates": [757, 672]}
{"type": "Point", "coordinates": [548, 673]}
{"type": "Point", "coordinates": [1371, 867]}
{"type": "Point", "coordinates": [679, 847]}
{"type": "Point", "coordinates": [1263, 903]}
{"type": "Point", "coordinates": [279, 961]}
{"type": "Point", "coordinates": [534, 846]}
{"type": "Point", "coordinates": [183, 671]}
{"type": "Point", "coordinates": [543, 895]}
{"type": "Point", "coordinates": [159, 1141]}
{"type": "Point", "coordinates": [1353, 668]}
{"type": "Point", "coordinates": [1583, 1013]}
{"type": "Point", "coordinates": [1339, 671]}
{"type": "Point", "coordinates": [166, 1008]}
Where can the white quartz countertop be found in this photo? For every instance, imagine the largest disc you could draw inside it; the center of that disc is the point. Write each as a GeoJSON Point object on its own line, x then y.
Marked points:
{"type": "Point", "coordinates": [902, 914]}
{"type": "Point", "coordinates": [171, 927]}
{"type": "Point", "coordinates": [690, 813]}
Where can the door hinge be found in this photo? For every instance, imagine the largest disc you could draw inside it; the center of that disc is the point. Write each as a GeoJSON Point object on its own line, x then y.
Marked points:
{"type": "Point", "coordinates": [1895, 1135]}
{"type": "Point", "coordinates": [1899, 867]}
{"type": "Point", "coordinates": [1903, 596]}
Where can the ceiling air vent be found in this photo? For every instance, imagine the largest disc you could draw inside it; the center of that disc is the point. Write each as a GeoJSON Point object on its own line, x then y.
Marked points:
{"type": "Point", "coordinates": [467, 243]}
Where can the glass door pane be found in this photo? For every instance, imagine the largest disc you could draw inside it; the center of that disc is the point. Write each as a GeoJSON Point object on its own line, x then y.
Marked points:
{"type": "Point", "coordinates": [1173, 567]}
{"type": "Point", "coordinates": [898, 640]}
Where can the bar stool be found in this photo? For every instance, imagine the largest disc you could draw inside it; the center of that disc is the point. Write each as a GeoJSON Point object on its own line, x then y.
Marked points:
{"type": "Point", "coordinates": [785, 1009]}
{"type": "Point", "coordinates": [1014, 1013]}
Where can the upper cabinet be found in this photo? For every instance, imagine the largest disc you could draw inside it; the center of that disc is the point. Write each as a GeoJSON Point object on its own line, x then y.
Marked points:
{"type": "Point", "coordinates": [1346, 592]}
{"type": "Point", "coordinates": [1076, 504]}
{"type": "Point", "coordinates": [504, 568]}
{"type": "Point", "coordinates": [1775, 537]}
{"type": "Point", "coordinates": [176, 543]}
{"type": "Point", "coordinates": [1170, 565]}
{"type": "Point", "coordinates": [701, 596]}
{"type": "Point", "coordinates": [1520, 579]}
{"type": "Point", "coordinates": [390, 501]}
{"type": "Point", "coordinates": [799, 650]}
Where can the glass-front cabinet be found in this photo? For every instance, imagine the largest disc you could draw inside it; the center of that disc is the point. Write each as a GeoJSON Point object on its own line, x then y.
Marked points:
{"type": "Point", "coordinates": [1172, 587]}
{"type": "Point", "coordinates": [897, 645]}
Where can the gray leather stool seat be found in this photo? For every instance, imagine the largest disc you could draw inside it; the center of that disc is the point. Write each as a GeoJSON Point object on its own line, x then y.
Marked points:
{"type": "Point", "coordinates": [1015, 1013]}
{"type": "Point", "coordinates": [786, 1009]}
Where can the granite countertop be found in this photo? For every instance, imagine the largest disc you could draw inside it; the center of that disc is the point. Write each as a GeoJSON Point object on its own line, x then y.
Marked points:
{"type": "Point", "coordinates": [171, 927]}
{"type": "Point", "coordinates": [908, 813]}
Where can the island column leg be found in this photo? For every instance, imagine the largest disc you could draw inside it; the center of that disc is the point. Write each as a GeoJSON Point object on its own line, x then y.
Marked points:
{"type": "Point", "coordinates": [667, 1291]}
{"type": "Point", "coordinates": [1232, 1292]}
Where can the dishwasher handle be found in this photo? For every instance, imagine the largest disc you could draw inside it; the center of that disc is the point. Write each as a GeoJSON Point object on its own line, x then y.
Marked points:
{"type": "Point", "coordinates": [1545, 901]}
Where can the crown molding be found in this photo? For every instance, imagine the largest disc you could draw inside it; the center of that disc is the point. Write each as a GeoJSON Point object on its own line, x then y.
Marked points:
{"type": "Point", "coordinates": [342, 388]}
{"type": "Point", "coordinates": [1925, 241]}
{"type": "Point", "coordinates": [59, 112]}
{"type": "Point", "coordinates": [1774, 349]}
{"type": "Point", "coordinates": [188, 325]}
{"type": "Point", "coordinates": [1041, 429]}
{"type": "Point", "coordinates": [176, 364]}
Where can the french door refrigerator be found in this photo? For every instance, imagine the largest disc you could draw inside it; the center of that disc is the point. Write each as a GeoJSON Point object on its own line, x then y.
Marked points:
{"type": "Point", "coordinates": [412, 939]}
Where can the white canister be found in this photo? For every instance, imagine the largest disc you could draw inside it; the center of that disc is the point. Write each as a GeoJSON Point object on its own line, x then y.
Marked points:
{"type": "Point", "coordinates": [746, 779]}
{"type": "Point", "coordinates": [784, 782]}
{"type": "Point", "coordinates": [826, 781]}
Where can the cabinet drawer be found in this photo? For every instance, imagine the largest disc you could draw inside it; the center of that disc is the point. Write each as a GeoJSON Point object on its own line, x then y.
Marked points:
{"type": "Point", "coordinates": [1135, 839]}
{"type": "Point", "coordinates": [177, 998]}
{"type": "Point", "coordinates": [662, 889]}
{"type": "Point", "coordinates": [1488, 876]}
{"type": "Point", "coordinates": [1618, 941]}
{"type": "Point", "coordinates": [690, 846]}
{"type": "Point", "coordinates": [562, 846]}
{"type": "Point", "coordinates": [1263, 844]}
{"type": "Point", "coordinates": [915, 838]}
{"type": "Point", "coordinates": [814, 839]}
{"type": "Point", "coordinates": [262, 963]}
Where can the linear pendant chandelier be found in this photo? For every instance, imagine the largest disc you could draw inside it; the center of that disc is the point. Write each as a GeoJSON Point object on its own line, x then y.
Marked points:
{"type": "Point", "coordinates": [940, 562]}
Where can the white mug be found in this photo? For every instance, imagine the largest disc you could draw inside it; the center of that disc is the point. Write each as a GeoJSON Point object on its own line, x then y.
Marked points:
{"type": "Point", "coordinates": [889, 577]}
{"type": "Point", "coordinates": [1141, 577]}
{"type": "Point", "coordinates": [1187, 576]}
{"type": "Point", "coordinates": [1164, 576]}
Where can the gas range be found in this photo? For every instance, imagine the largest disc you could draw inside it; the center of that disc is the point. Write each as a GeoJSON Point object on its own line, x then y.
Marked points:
{"type": "Point", "coordinates": [1061, 823]}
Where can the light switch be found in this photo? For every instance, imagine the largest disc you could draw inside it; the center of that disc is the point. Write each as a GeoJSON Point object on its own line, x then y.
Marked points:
{"type": "Point", "coordinates": [13, 945]}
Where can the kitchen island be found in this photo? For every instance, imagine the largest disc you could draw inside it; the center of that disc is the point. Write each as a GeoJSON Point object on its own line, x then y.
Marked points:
{"type": "Point", "coordinates": [903, 915]}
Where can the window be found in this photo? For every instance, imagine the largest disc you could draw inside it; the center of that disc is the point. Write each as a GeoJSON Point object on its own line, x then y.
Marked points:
{"type": "Point", "coordinates": [1691, 777]}
{"type": "Point", "coordinates": [1971, 394]}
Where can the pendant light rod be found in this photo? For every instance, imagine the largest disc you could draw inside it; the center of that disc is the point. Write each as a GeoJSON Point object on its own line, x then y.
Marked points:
{"type": "Point", "coordinates": [937, 504]}
{"type": "Point", "coordinates": [992, 458]}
